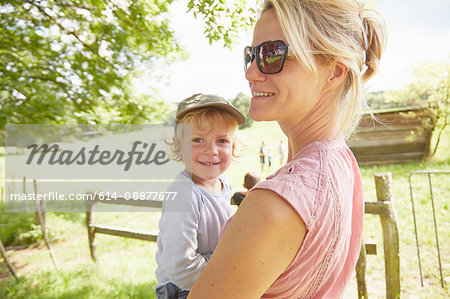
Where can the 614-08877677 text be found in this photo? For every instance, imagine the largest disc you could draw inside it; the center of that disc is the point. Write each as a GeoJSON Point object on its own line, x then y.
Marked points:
{"type": "Point", "coordinates": [143, 195]}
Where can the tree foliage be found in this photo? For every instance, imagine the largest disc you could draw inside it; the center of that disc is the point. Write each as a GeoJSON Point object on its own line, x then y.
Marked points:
{"type": "Point", "coordinates": [242, 103]}
{"type": "Point", "coordinates": [433, 81]}
{"type": "Point", "coordinates": [71, 61]}
{"type": "Point", "coordinates": [223, 18]}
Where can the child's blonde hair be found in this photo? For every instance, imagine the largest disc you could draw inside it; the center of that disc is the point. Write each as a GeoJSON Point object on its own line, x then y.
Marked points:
{"type": "Point", "coordinates": [205, 119]}
{"type": "Point", "coordinates": [341, 30]}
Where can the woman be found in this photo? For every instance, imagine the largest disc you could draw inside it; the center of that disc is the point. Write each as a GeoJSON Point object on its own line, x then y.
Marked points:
{"type": "Point", "coordinates": [298, 234]}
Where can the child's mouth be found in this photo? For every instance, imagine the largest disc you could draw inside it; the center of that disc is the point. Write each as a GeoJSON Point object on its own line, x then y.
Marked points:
{"type": "Point", "coordinates": [208, 163]}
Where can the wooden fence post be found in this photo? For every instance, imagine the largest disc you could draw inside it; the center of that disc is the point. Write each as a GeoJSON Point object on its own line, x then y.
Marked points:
{"type": "Point", "coordinates": [24, 191]}
{"type": "Point", "coordinates": [390, 236]}
{"type": "Point", "coordinates": [361, 273]}
{"type": "Point", "coordinates": [90, 230]}
{"type": "Point", "coordinates": [8, 263]}
{"type": "Point", "coordinates": [40, 215]}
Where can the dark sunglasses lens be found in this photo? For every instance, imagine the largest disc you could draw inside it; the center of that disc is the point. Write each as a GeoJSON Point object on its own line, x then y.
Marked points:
{"type": "Point", "coordinates": [248, 57]}
{"type": "Point", "coordinates": [271, 56]}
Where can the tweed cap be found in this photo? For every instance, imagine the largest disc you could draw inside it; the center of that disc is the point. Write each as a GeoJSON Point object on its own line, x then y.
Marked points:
{"type": "Point", "coordinates": [200, 100]}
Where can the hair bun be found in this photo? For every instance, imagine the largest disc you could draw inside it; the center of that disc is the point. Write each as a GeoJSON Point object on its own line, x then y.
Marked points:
{"type": "Point", "coordinates": [374, 41]}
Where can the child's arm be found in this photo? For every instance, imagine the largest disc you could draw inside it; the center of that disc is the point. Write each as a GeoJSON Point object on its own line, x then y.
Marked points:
{"type": "Point", "coordinates": [178, 232]}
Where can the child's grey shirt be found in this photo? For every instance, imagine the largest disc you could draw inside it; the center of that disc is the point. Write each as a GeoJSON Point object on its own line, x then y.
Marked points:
{"type": "Point", "coordinates": [189, 230]}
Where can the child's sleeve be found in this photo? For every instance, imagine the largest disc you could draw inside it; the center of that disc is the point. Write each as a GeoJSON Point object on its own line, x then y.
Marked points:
{"type": "Point", "coordinates": [178, 232]}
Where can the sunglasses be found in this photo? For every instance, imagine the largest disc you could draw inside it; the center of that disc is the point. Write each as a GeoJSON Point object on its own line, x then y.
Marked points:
{"type": "Point", "coordinates": [270, 56]}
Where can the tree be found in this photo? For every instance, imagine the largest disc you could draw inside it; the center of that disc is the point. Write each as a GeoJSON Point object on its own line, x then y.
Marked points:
{"type": "Point", "coordinates": [242, 103]}
{"type": "Point", "coordinates": [66, 59]}
{"type": "Point", "coordinates": [71, 61]}
{"type": "Point", "coordinates": [430, 88]}
{"type": "Point", "coordinates": [433, 80]}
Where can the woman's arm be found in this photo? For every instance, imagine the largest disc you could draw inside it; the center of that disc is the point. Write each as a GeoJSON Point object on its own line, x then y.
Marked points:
{"type": "Point", "coordinates": [259, 244]}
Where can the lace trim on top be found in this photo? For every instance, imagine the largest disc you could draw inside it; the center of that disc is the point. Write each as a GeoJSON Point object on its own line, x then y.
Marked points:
{"type": "Point", "coordinates": [323, 181]}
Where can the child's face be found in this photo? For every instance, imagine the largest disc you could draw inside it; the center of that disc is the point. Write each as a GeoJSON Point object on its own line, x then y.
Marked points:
{"type": "Point", "coordinates": [211, 152]}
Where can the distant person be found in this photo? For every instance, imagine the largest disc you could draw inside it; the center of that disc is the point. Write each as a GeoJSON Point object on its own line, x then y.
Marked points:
{"type": "Point", "coordinates": [298, 233]}
{"type": "Point", "coordinates": [262, 155]}
{"type": "Point", "coordinates": [269, 152]}
{"type": "Point", "coordinates": [250, 180]}
{"type": "Point", "coordinates": [282, 151]}
{"type": "Point", "coordinates": [204, 140]}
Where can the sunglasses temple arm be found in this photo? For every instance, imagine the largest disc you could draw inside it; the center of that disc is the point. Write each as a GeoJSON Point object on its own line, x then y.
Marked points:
{"type": "Point", "coordinates": [290, 51]}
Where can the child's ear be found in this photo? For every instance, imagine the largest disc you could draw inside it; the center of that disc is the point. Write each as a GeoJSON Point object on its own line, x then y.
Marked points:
{"type": "Point", "coordinates": [179, 156]}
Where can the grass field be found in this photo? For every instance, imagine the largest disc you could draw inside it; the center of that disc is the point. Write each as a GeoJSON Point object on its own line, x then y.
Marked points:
{"type": "Point", "coordinates": [126, 267]}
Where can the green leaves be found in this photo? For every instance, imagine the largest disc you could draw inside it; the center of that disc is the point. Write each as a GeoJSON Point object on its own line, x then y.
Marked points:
{"type": "Point", "coordinates": [242, 103]}
{"type": "Point", "coordinates": [71, 61]}
{"type": "Point", "coordinates": [223, 19]}
{"type": "Point", "coordinates": [64, 60]}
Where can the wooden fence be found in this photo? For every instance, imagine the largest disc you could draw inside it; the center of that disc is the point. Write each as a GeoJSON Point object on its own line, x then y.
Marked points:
{"type": "Point", "coordinates": [96, 228]}
{"type": "Point", "coordinates": [384, 207]}
{"type": "Point", "coordinates": [398, 135]}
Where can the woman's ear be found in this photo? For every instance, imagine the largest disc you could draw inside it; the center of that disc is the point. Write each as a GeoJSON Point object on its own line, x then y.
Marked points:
{"type": "Point", "coordinates": [338, 73]}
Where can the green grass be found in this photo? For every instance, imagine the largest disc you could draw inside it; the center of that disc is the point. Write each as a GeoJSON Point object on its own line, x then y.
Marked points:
{"type": "Point", "coordinates": [125, 268]}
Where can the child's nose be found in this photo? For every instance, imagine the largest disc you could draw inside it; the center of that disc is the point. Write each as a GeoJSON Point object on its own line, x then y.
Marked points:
{"type": "Point", "coordinates": [211, 148]}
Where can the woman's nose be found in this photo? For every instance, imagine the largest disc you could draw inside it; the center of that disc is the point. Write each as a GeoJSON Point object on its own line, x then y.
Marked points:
{"type": "Point", "coordinates": [253, 74]}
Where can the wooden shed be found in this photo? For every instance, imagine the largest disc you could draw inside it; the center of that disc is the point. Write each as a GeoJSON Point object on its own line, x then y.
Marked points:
{"type": "Point", "coordinates": [397, 135]}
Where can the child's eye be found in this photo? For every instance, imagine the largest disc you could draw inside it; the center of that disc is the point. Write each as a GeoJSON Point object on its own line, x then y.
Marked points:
{"type": "Point", "coordinates": [224, 141]}
{"type": "Point", "coordinates": [197, 140]}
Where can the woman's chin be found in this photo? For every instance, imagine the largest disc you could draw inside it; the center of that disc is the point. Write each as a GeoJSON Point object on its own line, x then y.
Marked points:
{"type": "Point", "coordinates": [259, 116]}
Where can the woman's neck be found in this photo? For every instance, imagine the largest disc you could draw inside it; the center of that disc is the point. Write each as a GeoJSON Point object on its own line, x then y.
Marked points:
{"type": "Point", "coordinates": [321, 123]}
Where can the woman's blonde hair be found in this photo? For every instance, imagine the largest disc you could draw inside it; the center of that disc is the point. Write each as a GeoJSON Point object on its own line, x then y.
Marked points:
{"type": "Point", "coordinates": [341, 30]}
{"type": "Point", "coordinates": [205, 119]}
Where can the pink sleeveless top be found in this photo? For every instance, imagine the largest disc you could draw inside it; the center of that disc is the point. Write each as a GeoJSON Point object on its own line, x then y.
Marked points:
{"type": "Point", "coordinates": [323, 184]}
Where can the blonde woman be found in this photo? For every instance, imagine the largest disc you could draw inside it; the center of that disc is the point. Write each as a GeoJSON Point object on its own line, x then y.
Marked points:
{"type": "Point", "coordinates": [298, 233]}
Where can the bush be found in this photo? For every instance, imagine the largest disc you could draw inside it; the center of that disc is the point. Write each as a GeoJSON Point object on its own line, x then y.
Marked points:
{"type": "Point", "coordinates": [18, 229]}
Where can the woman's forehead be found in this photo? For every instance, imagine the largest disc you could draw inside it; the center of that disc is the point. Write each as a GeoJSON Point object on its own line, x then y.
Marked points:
{"type": "Point", "coordinates": [267, 28]}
